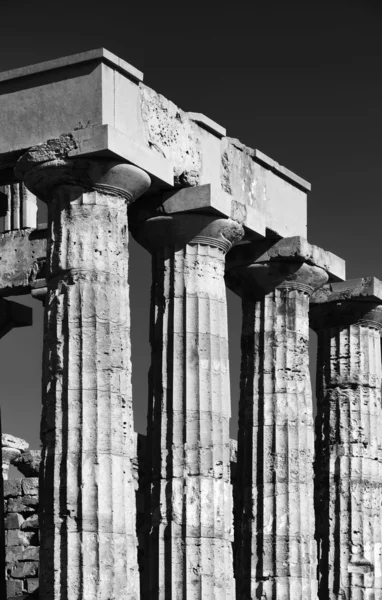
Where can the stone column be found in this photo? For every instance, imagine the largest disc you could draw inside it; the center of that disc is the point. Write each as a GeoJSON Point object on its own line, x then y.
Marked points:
{"type": "Point", "coordinates": [191, 529]}
{"type": "Point", "coordinates": [348, 321]}
{"type": "Point", "coordinates": [87, 487]}
{"type": "Point", "coordinates": [276, 556]}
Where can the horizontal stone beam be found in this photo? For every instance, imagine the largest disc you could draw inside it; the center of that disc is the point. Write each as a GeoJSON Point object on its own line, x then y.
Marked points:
{"type": "Point", "coordinates": [111, 113]}
{"type": "Point", "coordinates": [22, 257]}
{"type": "Point", "coordinates": [295, 249]}
{"type": "Point", "coordinates": [367, 289]}
{"type": "Point", "coordinates": [202, 198]}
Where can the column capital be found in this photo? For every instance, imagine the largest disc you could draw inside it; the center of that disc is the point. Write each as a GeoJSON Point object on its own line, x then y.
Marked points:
{"type": "Point", "coordinates": [257, 268]}
{"type": "Point", "coordinates": [110, 177]}
{"type": "Point", "coordinates": [187, 216]}
{"type": "Point", "coordinates": [187, 228]}
{"type": "Point", "coordinates": [352, 302]}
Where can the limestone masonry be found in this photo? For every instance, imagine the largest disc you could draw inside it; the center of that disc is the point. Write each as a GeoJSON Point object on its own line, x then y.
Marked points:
{"type": "Point", "coordinates": [291, 511]}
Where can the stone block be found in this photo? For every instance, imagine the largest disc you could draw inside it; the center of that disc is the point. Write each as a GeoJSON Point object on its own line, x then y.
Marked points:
{"type": "Point", "coordinates": [211, 198]}
{"type": "Point", "coordinates": [32, 585]}
{"type": "Point", "coordinates": [12, 488]}
{"type": "Point", "coordinates": [24, 569]}
{"type": "Point", "coordinates": [30, 523]}
{"type": "Point", "coordinates": [112, 113]}
{"type": "Point", "coordinates": [31, 554]}
{"type": "Point", "coordinates": [15, 537]}
{"type": "Point", "coordinates": [14, 589]}
{"type": "Point", "coordinates": [14, 521]}
{"type": "Point", "coordinates": [13, 553]}
{"type": "Point", "coordinates": [30, 486]}
{"type": "Point", "coordinates": [93, 80]}
{"type": "Point", "coordinates": [10, 441]}
{"type": "Point", "coordinates": [367, 289]}
{"type": "Point", "coordinates": [296, 249]}
{"type": "Point", "coordinates": [25, 504]}
{"type": "Point", "coordinates": [20, 251]}
{"type": "Point", "coordinates": [28, 463]}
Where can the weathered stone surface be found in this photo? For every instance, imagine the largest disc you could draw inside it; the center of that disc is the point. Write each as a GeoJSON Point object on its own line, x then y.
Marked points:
{"type": "Point", "coordinates": [30, 486]}
{"type": "Point", "coordinates": [13, 553]}
{"type": "Point", "coordinates": [30, 523]}
{"type": "Point", "coordinates": [12, 487]}
{"type": "Point", "coordinates": [30, 554]}
{"type": "Point", "coordinates": [87, 493]}
{"type": "Point", "coordinates": [25, 569]}
{"type": "Point", "coordinates": [10, 441]}
{"type": "Point", "coordinates": [14, 589]}
{"type": "Point", "coordinates": [15, 537]}
{"type": "Point", "coordinates": [275, 548]}
{"type": "Point", "coordinates": [348, 321]}
{"type": "Point", "coordinates": [189, 513]}
{"type": "Point", "coordinates": [286, 254]}
{"type": "Point", "coordinates": [25, 504]}
{"type": "Point", "coordinates": [28, 463]}
{"type": "Point", "coordinates": [113, 113]}
{"type": "Point", "coordinates": [14, 521]}
{"type": "Point", "coordinates": [18, 206]}
{"type": "Point", "coordinates": [20, 253]}
{"type": "Point", "coordinates": [32, 585]}
{"type": "Point", "coordinates": [368, 289]}
{"type": "Point", "coordinates": [8, 456]}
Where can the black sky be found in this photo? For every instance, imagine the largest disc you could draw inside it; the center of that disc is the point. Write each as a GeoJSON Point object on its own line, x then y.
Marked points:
{"type": "Point", "coordinates": [300, 81]}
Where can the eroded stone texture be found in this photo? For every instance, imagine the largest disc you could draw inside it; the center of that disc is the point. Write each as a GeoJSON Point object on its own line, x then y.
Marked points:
{"type": "Point", "coordinates": [276, 556]}
{"type": "Point", "coordinates": [348, 320]}
{"type": "Point", "coordinates": [12, 448]}
{"type": "Point", "coordinates": [87, 514]}
{"type": "Point", "coordinates": [21, 253]}
{"type": "Point", "coordinates": [21, 538]}
{"type": "Point", "coordinates": [190, 509]}
{"type": "Point", "coordinates": [28, 462]}
{"type": "Point", "coordinates": [18, 207]}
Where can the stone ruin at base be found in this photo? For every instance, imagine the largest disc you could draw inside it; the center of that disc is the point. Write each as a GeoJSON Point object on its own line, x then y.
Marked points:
{"type": "Point", "coordinates": [293, 513]}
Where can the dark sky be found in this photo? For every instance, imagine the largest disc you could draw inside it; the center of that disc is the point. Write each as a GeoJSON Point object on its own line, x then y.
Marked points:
{"type": "Point", "coordinates": [300, 81]}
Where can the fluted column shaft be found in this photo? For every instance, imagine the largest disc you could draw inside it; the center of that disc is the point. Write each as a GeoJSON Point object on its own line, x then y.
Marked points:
{"type": "Point", "coordinates": [191, 529]}
{"type": "Point", "coordinates": [87, 488]}
{"type": "Point", "coordinates": [349, 452]}
{"type": "Point", "coordinates": [275, 448]}
{"type": "Point", "coordinates": [276, 557]}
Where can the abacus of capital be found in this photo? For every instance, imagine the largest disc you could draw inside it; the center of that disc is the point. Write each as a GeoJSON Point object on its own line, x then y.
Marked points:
{"type": "Point", "coordinates": [178, 513]}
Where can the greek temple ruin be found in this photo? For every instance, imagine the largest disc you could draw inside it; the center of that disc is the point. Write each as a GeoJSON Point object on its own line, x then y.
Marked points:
{"type": "Point", "coordinates": [292, 510]}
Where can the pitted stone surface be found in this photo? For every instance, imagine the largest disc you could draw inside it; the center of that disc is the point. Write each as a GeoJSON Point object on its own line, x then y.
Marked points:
{"type": "Point", "coordinates": [349, 439]}
{"type": "Point", "coordinates": [275, 549]}
{"type": "Point", "coordinates": [28, 462]}
{"type": "Point", "coordinates": [21, 538]}
{"type": "Point", "coordinates": [87, 526]}
{"type": "Point", "coordinates": [10, 441]}
{"type": "Point", "coordinates": [189, 450]}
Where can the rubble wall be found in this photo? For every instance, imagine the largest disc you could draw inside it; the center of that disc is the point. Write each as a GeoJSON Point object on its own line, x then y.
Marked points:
{"type": "Point", "coordinates": [21, 522]}
{"type": "Point", "coordinates": [21, 537]}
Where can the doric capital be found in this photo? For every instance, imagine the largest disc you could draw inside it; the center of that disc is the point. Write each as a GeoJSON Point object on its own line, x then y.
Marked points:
{"type": "Point", "coordinates": [353, 302]}
{"type": "Point", "coordinates": [180, 229]}
{"type": "Point", "coordinates": [256, 269]}
{"type": "Point", "coordinates": [111, 177]}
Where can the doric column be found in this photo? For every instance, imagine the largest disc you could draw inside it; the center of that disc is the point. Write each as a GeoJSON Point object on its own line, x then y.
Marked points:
{"type": "Point", "coordinates": [276, 556]}
{"type": "Point", "coordinates": [348, 321]}
{"type": "Point", "coordinates": [87, 488]}
{"type": "Point", "coordinates": [191, 529]}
